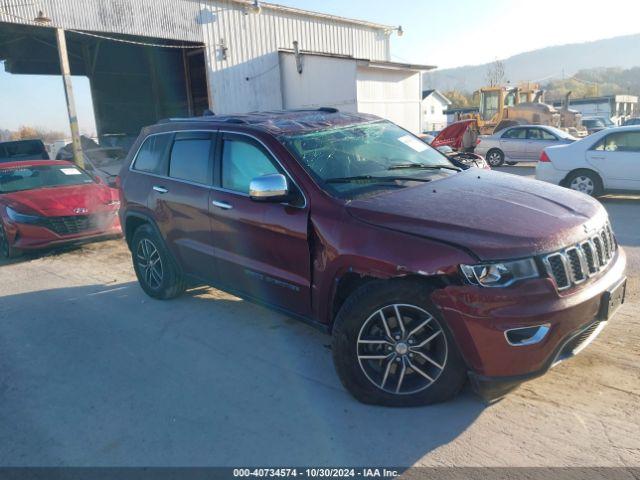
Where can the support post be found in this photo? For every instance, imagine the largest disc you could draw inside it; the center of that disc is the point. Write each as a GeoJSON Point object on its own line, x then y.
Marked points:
{"type": "Point", "coordinates": [65, 70]}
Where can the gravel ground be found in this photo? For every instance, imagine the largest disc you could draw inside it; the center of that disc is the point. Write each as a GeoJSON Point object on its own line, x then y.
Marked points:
{"type": "Point", "coordinates": [93, 372]}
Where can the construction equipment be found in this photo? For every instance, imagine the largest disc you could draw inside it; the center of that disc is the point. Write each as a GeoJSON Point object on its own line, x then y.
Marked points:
{"type": "Point", "coordinates": [504, 106]}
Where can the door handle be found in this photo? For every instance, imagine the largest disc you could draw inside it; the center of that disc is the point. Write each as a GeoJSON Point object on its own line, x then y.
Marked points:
{"type": "Point", "coordinates": [160, 189]}
{"type": "Point", "coordinates": [222, 205]}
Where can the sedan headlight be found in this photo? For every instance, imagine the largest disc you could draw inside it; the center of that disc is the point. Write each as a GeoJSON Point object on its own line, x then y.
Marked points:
{"type": "Point", "coordinates": [21, 217]}
{"type": "Point", "coordinates": [501, 274]}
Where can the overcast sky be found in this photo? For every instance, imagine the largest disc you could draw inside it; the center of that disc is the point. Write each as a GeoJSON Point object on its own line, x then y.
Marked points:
{"type": "Point", "coordinates": [446, 34]}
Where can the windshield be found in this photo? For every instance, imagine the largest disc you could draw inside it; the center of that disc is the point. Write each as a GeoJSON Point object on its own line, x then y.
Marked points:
{"type": "Point", "coordinates": [346, 159]}
{"type": "Point", "coordinates": [18, 179]}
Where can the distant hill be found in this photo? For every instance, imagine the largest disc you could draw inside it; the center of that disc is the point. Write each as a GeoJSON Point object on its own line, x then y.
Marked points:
{"type": "Point", "coordinates": [543, 64]}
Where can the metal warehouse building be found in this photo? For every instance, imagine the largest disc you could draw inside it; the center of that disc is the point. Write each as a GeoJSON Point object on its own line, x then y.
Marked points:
{"type": "Point", "coordinates": [151, 59]}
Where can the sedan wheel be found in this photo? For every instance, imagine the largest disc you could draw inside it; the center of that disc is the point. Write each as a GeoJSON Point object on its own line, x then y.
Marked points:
{"type": "Point", "coordinates": [495, 158]}
{"type": "Point", "coordinates": [584, 184]}
{"type": "Point", "coordinates": [402, 349]}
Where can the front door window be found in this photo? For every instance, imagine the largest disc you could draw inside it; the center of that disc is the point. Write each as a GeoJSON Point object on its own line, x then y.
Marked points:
{"type": "Point", "coordinates": [241, 163]}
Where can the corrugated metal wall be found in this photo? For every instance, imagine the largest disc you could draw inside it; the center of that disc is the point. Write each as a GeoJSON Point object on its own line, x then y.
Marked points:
{"type": "Point", "coordinates": [246, 76]}
{"type": "Point", "coordinates": [249, 77]}
{"type": "Point", "coordinates": [167, 19]}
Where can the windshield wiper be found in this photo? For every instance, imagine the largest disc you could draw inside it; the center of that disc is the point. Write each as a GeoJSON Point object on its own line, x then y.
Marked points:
{"type": "Point", "coordinates": [422, 166]}
{"type": "Point", "coordinates": [372, 178]}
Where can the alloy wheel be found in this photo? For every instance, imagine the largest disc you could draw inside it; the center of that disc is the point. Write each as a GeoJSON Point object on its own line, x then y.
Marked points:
{"type": "Point", "coordinates": [583, 184]}
{"type": "Point", "coordinates": [150, 263]}
{"type": "Point", "coordinates": [402, 349]}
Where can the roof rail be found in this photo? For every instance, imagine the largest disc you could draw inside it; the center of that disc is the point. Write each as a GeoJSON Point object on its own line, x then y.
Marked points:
{"type": "Point", "coordinates": [234, 120]}
{"type": "Point", "coordinates": [328, 109]}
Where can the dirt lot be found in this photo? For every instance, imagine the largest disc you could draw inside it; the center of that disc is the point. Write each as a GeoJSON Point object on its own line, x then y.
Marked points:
{"type": "Point", "coordinates": [93, 372]}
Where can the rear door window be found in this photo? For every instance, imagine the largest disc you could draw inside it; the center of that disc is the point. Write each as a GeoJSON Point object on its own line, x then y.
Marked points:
{"type": "Point", "coordinates": [540, 134]}
{"type": "Point", "coordinates": [152, 155]}
{"type": "Point", "coordinates": [192, 157]}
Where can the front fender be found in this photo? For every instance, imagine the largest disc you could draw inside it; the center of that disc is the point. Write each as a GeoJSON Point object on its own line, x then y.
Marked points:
{"type": "Point", "coordinates": [376, 252]}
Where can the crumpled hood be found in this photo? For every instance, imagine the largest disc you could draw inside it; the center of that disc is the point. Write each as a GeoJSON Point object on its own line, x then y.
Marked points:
{"type": "Point", "coordinates": [64, 201]}
{"type": "Point", "coordinates": [495, 215]}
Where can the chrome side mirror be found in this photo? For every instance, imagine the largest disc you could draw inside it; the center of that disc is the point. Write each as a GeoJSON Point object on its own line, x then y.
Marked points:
{"type": "Point", "coordinates": [269, 188]}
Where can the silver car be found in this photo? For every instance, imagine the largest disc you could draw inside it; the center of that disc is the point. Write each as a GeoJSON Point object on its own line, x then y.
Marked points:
{"type": "Point", "coordinates": [520, 143]}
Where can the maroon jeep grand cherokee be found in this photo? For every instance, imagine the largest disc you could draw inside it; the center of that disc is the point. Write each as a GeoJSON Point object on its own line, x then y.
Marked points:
{"type": "Point", "coordinates": [424, 274]}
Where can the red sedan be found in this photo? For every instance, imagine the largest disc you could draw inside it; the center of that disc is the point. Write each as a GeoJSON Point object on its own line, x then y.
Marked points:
{"type": "Point", "coordinates": [46, 203]}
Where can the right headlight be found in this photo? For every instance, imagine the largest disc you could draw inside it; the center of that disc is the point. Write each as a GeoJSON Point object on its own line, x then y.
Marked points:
{"type": "Point", "coordinates": [21, 217]}
{"type": "Point", "coordinates": [500, 274]}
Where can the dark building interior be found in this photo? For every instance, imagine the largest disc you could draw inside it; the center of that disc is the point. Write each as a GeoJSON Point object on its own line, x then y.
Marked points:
{"type": "Point", "coordinates": [131, 85]}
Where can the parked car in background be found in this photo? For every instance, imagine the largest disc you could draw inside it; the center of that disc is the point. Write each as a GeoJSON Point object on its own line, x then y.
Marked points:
{"type": "Point", "coordinates": [19, 150]}
{"type": "Point", "coordinates": [606, 121]}
{"type": "Point", "coordinates": [521, 143]}
{"type": "Point", "coordinates": [632, 121]}
{"type": "Point", "coordinates": [608, 160]}
{"type": "Point", "coordinates": [353, 224]}
{"type": "Point", "coordinates": [464, 160]}
{"type": "Point", "coordinates": [593, 124]}
{"type": "Point", "coordinates": [101, 160]}
{"type": "Point", "coordinates": [426, 137]}
{"type": "Point", "coordinates": [461, 136]}
{"type": "Point", "coordinates": [49, 202]}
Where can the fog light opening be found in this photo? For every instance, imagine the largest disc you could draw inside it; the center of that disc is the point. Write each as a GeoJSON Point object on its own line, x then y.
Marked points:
{"type": "Point", "coordinates": [520, 337]}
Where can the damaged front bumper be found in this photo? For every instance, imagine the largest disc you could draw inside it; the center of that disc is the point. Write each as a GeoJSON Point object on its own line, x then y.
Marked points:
{"type": "Point", "coordinates": [558, 325]}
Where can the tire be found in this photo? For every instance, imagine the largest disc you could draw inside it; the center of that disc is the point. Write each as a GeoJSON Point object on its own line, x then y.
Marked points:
{"type": "Point", "coordinates": [6, 249]}
{"type": "Point", "coordinates": [585, 181]}
{"type": "Point", "coordinates": [157, 272]}
{"type": "Point", "coordinates": [495, 157]}
{"type": "Point", "coordinates": [359, 333]}
{"type": "Point", "coordinates": [511, 163]}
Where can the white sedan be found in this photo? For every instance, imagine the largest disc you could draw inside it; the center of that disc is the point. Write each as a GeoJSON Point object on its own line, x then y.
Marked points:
{"type": "Point", "coordinates": [608, 160]}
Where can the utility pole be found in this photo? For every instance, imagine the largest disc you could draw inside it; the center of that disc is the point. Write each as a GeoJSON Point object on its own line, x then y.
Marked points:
{"type": "Point", "coordinates": [65, 70]}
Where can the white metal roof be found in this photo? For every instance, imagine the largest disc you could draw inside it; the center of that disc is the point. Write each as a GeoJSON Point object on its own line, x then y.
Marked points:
{"type": "Point", "coordinates": [335, 18]}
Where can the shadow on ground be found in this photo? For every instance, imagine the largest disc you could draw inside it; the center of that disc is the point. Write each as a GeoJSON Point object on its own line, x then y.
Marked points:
{"type": "Point", "coordinates": [103, 375]}
{"type": "Point", "coordinates": [29, 255]}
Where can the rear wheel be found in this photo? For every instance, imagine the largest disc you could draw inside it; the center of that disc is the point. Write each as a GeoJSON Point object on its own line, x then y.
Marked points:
{"type": "Point", "coordinates": [495, 157]}
{"type": "Point", "coordinates": [585, 181]}
{"type": "Point", "coordinates": [391, 346]}
{"type": "Point", "coordinates": [157, 272]}
{"type": "Point", "coordinates": [6, 250]}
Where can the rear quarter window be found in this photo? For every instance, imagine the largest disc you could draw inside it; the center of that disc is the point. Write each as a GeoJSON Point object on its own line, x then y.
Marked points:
{"type": "Point", "coordinates": [152, 155]}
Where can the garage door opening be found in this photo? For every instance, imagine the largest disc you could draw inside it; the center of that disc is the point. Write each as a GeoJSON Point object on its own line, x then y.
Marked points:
{"type": "Point", "coordinates": [129, 83]}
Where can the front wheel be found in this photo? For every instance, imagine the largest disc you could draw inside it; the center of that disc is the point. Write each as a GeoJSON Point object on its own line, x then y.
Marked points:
{"type": "Point", "coordinates": [391, 347]}
{"type": "Point", "coordinates": [6, 249]}
{"type": "Point", "coordinates": [495, 157]}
